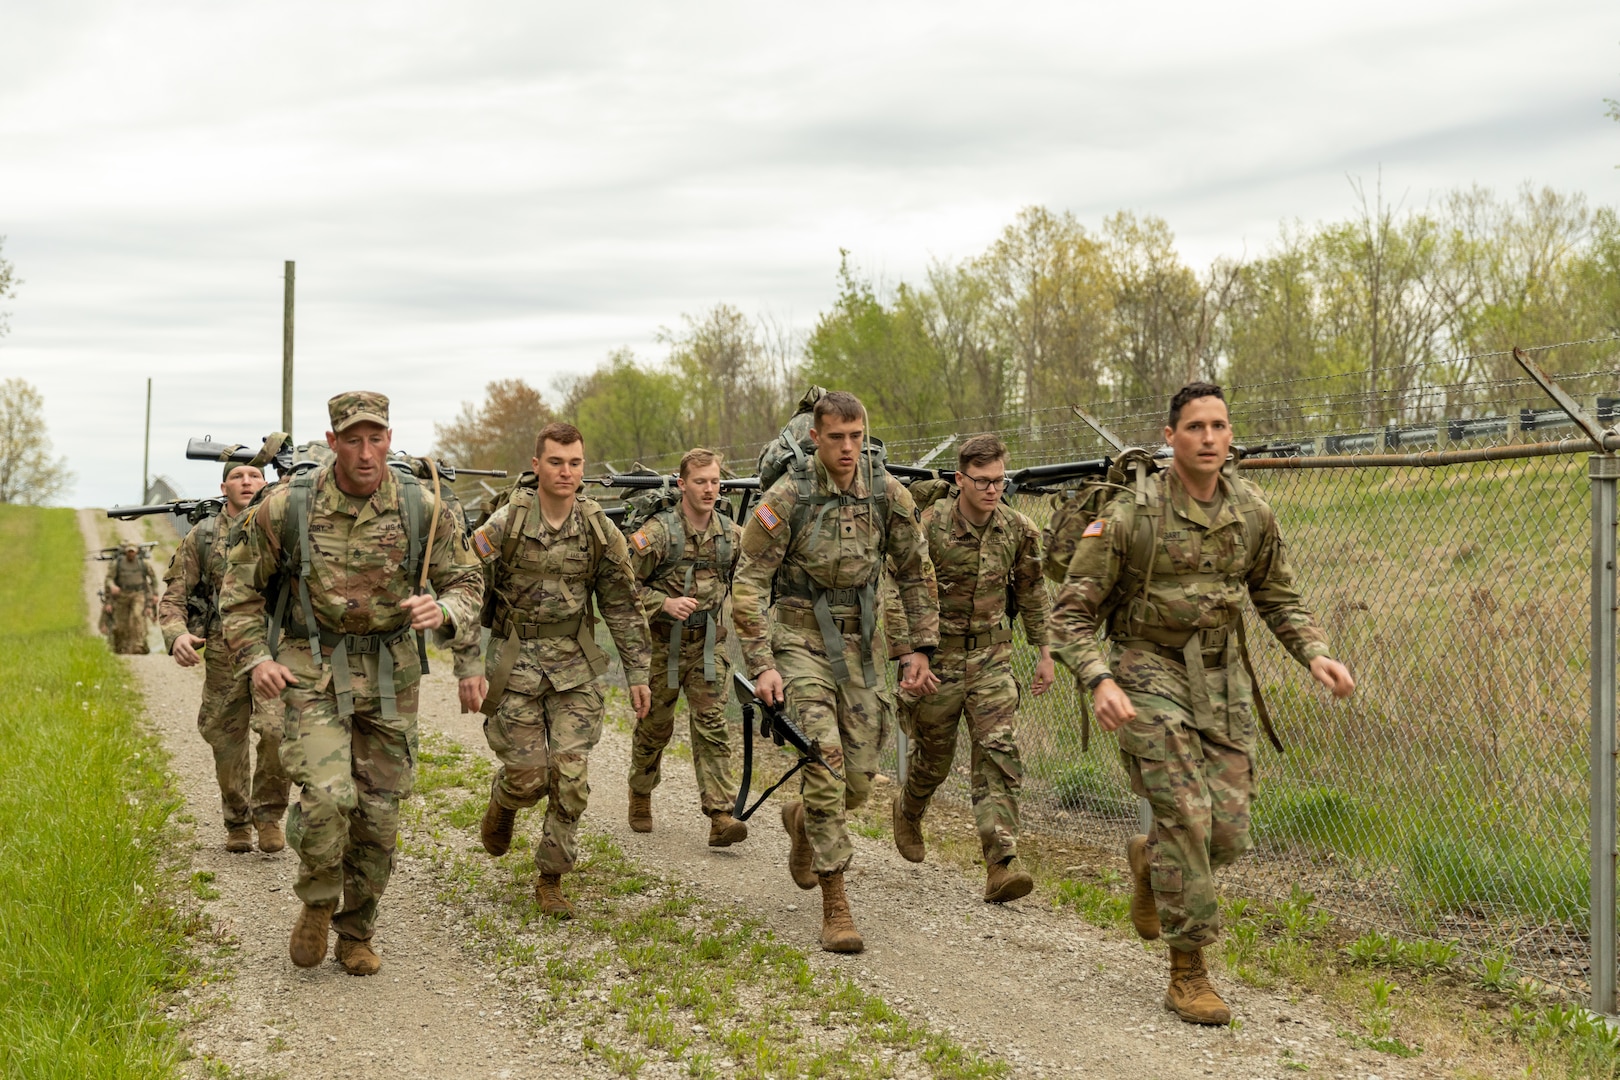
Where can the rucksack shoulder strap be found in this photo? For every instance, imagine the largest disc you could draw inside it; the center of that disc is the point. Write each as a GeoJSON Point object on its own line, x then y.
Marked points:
{"type": "Point", "coordinates": [413, 511]}
{"type": "Point", "coordinates": [517, 517]}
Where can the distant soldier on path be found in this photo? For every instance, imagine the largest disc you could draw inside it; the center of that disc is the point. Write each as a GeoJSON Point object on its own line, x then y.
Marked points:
{"type": "Point", "coordinates": [549, 553]}
{"type": "Point", "coordinates": [683, 558]}
{"type": "Point", "coordinates": [983, 551]}
{"type": "Point", "coordinates": [345, 543]}
{"type": "Point", "coordinates": [253, 796]}
{"type": "Point", "coordinates": [132, 583]}
{"type": "Point", "coordinates": [1167, 571]}
{"type": "Point", "coordinates": [817, 542]}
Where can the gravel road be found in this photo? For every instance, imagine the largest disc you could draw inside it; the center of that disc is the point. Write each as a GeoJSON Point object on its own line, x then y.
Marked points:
{"type": "Point", "coordinates": [1035, 986]}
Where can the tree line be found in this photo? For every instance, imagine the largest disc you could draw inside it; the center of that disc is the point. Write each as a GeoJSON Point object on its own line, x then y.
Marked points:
{"type": "Point", "coordinates": [1359, 320]}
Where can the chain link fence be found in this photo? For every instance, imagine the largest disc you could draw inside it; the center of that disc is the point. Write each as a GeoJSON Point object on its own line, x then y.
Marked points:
{"type": "Point", "coordinates": [1450, 796]}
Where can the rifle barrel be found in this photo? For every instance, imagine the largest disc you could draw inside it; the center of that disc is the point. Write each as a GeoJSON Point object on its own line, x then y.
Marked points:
{"type": "Point", "coordinates": [127, 513]}
{"type": "Point", "coordinates": [208, 450]}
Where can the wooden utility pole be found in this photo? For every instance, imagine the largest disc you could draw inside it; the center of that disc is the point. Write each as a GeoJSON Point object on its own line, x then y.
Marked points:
{"type": "Point", "coordinates": [287, 352]}
{"type": "Point", "coordinates": [146, 455]}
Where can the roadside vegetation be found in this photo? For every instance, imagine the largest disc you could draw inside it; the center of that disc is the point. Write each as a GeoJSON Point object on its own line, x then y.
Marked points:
{"type": "Point", "coordinates": [648, 971]}
{"type": "Point", "coordinates": [1468, 1015]}
{"type": "Point", "coordinates": [88, 943]}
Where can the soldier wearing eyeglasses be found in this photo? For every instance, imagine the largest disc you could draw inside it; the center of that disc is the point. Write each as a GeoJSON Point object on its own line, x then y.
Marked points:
{"type": "Point", "coordinates": [984, 553]}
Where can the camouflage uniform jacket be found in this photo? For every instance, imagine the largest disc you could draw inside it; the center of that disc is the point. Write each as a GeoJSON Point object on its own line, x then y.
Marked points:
{"type": "Point", "coordinates": [711, 584]}
{"type": "Point", "coordinates": [199, 558]}
{"type": "Point", "coordinates": [841, 549]}
{"type": "Point", "coordinates": [553, 575]}
{"type": "Point", "coordinates": [1201, 572]}
{"type": "Point", "coordinates": [139, 575]}
{"type": "Point", "coordinates": [974, 568]}
{"type": "Point", "coordinates": [357, 576]}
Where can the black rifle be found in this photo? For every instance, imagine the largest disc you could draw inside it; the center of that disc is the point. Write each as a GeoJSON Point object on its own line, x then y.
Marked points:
{"type": "Point", "coordinates": [108, 554]}
{"type": "Point", "coordinates": [278, 454]}
{"type": "Point", "coordinates": [773, 722]}
{"type": "Point", "coordinates": [1030, 480]}
{"type": "Point", "coordinates": [649, 481]}
{"type": "Point", "coordinates": [193, 510]}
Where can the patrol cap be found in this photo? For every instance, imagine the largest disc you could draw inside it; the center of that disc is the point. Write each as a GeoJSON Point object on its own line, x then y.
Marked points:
{"type": "Point", "coordinates": [232, 466]}
{"type": "Point", "coordinates": [136, 548]}
{"type": "Point", "coordinates": [357, 407]}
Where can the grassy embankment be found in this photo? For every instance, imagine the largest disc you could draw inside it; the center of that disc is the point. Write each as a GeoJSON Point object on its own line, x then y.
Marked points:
{"type": "Point", "coordinates": [86, 940]}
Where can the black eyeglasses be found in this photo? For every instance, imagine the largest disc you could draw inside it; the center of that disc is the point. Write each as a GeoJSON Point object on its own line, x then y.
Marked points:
{"type": "Point", "coordinates": [985, 483]}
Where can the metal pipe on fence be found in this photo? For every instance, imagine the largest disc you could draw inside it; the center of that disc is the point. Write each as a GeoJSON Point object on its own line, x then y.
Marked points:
{"type": "Point", "coordinates": [1429, 458]}
{"type": "Point", "coordinates": [1604, 470]}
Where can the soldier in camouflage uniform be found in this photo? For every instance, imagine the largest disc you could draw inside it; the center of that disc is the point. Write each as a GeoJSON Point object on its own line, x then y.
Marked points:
{"type": "Point", "coordinates": [821, 554]}
{"type": "Point", "coordinates": [253, 797]}
{"type": "Point", "coordinates": [1166, 570]}
{"type": "Point", "coordinates": [548, 552]}
{"type": "Point", "coordinates": [132, 584]}
{"type": "Point", "coordinates": [345, 536]}
{"type": "Point", "coordinates": [981, 548]}
{"type": "Point", "coordinates": [687, 595]}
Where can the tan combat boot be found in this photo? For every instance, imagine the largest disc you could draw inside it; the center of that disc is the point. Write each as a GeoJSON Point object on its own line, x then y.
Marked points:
{"type": "Point", "coordinates": [239, 838]}
{"type": "Point", "coordinates": [838, 933]}
{"type": "Point", "coordinates": [548, 894]}
{"type": "Point", "coordinates": [725, 830]}
{"type": "Point", "coordinates": [908, 837]}
{"type": "Point", "coordinates": [357, 956]}
{"type": "Point", "coordinates": [801, 856]}
{"type": "Point", "coordinates": [1144, 910]}
{"type": "Point", "coordinates": [271, 838]}
{"type": "Point", "coordinates": [1191, 996]}
{"type": "Point", "coordinates": [496, 828]}
{"type": "Point", "coordinates": [640, 812]}
{"type": "Point", "coordinates": [1003, 883]}
{"type": "Point", "coordinates": [307, 947]}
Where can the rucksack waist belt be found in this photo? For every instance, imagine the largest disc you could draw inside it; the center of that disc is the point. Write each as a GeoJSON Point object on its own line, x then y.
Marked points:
{"type": "Point", "coordinates": [1212, 659]}
{"type": "Point", "coordinates": [704, 626]}
{"type": "Point", "coordinates": [529, 631]}
{"type": "Point", "coordinates": [1213, 637]}
{"type": "Point", "coordinates": [341, 646]}
{"type": "Point", "coordinates": [806, 620]}
{"type": "Point", "coordinates": [969, 642]}
{"type": "Point", "coordinates": [834, 597]}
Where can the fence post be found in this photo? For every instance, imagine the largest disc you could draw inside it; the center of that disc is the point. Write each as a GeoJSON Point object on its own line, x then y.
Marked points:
{"type": "Point", "coordinates": [1604, 470]}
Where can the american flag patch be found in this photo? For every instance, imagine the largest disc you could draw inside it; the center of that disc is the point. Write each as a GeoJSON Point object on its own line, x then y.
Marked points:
{"type": "Point", "coordinates": [767, 517]}
{"type": "Point", "coordinates": [482, 545]}
{"type": "Point", "coordinates": [1094, 529]}
{"type": "Point", "coordinates": [639, 539]}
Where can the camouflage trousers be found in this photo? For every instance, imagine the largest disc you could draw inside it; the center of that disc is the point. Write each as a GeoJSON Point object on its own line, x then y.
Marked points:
{"type": "Point", "coordinates": [354, 771]}
{"type": "Point", "coordinates": [850, 720]}
{"type": "Point", "coordinates": [711, 741]}
{"type": "Point", "coordinates": [129, 623]}
{"type": "Point", "coordinates": [979, 684]}
{"type": "Point", "coordinates": [544, 741]}
{"type": "Point", "coordinates": [248, 791]}
{"type": "Point", "coordinates": [1195, 766]}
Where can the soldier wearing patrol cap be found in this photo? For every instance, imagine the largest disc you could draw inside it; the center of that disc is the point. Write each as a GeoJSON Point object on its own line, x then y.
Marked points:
{"type": "Point", "coordinates": [1167, 569]}
{"type": "Point", "coordinates": [346, 544]}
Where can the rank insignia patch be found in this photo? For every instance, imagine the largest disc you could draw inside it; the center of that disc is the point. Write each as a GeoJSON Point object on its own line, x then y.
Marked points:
{"type": "Point", "coordinates": [767, 517]}
{"type": "Point", "coordinates": [1094, 529]}
{"type": "Point", "coordinates": [482, 545]}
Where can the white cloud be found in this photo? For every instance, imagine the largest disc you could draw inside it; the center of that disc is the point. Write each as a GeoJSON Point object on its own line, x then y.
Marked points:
{"type": "Point", "coordinates": [480, 191]}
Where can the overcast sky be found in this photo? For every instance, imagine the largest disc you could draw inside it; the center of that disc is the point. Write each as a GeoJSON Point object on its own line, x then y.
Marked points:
{"type": "Point", "coordinates": [478, 191]}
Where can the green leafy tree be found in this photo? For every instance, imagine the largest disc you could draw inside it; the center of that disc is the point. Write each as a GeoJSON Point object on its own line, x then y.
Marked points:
{"type": "Point", "coordinates": [498, 434]}
{"type": "Point", "coordinates": [28, 473]}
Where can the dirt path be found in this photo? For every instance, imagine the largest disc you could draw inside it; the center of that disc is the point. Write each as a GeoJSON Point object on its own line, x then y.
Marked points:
{"type": "Point", "coordinates": [1036, 987]}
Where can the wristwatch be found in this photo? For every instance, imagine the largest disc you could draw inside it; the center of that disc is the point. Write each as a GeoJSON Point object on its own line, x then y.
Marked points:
{"type": "Point", "coordinates": [1094, 683]}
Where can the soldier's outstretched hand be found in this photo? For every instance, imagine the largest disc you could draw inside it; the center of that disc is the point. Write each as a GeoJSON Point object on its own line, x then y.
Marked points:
{"type": "Point", "coordinates": [641, 700]}
{"type": "Point", "coordinates": [271, 678]}
{"type": "Point", "coordinates": [185, 649]}
{"type": "Point", "coordinates": [1333, 675]}
{"type": "Point", "coordinates": [1113, 705]}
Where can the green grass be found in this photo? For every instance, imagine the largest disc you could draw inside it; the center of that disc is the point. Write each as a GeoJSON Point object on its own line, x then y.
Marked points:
{"type": "Point", "coordinates": [704, 985]}
{"type": "Point", "coordinates": [87, 943]}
